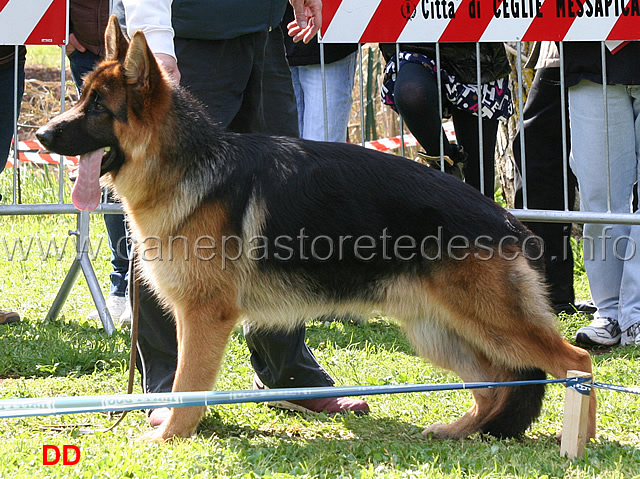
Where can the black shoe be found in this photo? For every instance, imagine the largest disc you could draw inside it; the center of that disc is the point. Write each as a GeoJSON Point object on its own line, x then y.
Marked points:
{"type": "Point", "coordinates": [343, 318]}
{"type": "Point", "coordinates": [587, 306]}
{"type": "Point", "coordinates": [567, 308]}
{"type": "Point", "coordinates": [453, 164]}
{"type": "Point", "coordinates": [8, 317]}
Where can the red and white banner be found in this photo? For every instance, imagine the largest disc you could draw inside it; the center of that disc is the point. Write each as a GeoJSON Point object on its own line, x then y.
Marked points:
{"type": "Point", "coordinates": [364, 21]}
{"type": "Point", "coordinates": [33, 22]}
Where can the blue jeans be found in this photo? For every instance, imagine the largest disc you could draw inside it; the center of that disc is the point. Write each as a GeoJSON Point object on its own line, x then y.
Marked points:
{"type": "Point", "coordinates": [8, 116]}
{"type": "Point", "coordinates": [307, 84]}
{"type": "Point", "coordinates": [611, 255]}
{"type": "Point", "coordinates": [80, 64]}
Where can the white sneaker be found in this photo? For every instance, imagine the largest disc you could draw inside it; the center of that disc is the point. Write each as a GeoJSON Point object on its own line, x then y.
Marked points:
{"type": "Point", "coordinates": [631, 336]}
{"type": "Point", "coordinates": [127, 316]}
{"type": "Point", "coordinates": [116, 306]}
{"type": "Point", "coordinates": [601, 332]}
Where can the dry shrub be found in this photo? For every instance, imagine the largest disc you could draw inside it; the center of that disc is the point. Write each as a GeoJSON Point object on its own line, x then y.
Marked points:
{"type": "Point", "coordinates": [41, 100]}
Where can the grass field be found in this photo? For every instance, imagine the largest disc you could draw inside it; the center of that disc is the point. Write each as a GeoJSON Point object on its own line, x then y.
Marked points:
{"type": "Point", "coordinates": [49, 56]}
{"type": "Point", "coordinates": [70, 356]}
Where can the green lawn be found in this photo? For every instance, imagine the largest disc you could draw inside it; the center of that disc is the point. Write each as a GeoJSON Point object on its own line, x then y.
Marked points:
{"type": "Point", "coordinates": [49, 56]}
{"type": "Point", "coordinates": [70, 356]}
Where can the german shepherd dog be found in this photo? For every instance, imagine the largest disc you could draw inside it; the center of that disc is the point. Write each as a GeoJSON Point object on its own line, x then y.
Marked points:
{"type": "Point", "coordinates": [317, 228]}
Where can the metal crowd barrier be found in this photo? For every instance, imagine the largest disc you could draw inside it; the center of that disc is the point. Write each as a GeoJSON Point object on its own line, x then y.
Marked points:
{"type": "Point", "coordinates": [83, 263]}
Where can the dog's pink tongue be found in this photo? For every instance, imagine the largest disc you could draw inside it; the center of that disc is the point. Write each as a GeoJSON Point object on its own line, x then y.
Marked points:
{"type": "Point", "coordinates": [86, 191]}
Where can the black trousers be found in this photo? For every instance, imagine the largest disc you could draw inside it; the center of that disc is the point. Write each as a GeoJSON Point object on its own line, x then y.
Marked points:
{"type": "Point", "coordinates": [245, 83]}
{"type": "Point", "coordinates": [545, 180]}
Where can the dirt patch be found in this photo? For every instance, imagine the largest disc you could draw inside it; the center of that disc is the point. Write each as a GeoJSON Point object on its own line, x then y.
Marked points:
{"type": "Point", "coordinates": [41, 100]}
{"type": "Point", "coordinates": [44, 74]}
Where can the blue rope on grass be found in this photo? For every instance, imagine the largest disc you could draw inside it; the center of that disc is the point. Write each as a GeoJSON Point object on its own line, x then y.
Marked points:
{"type": "Point", "coordinates": [127, 402]}
{"type": "Point", "coordinates": [613, 387]}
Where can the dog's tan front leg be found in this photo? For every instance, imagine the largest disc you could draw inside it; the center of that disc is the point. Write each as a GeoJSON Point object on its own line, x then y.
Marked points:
{"type": "Point", "coordinates": [202, 337]}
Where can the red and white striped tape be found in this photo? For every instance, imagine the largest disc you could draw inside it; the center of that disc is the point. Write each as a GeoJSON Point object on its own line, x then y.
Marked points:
{"type": "Point", "coordinates": [393, 143]}
{"type": "Point", "coordinates": [33, 22]}
{"type": "Point", "coordinates": [374, 21]}
{"type": "Point", "coordinates": [33, 152]}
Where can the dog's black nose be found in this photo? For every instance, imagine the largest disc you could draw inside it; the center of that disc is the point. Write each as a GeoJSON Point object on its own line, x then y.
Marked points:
{"type": "Point", "coordinates": [45, 136]}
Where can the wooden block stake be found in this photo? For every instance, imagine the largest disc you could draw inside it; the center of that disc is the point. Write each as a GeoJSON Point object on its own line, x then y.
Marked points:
{"type": "Point", "coordinates": [576, 414]}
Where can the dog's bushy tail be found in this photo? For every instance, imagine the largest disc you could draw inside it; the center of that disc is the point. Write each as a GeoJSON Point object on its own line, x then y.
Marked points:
{"type": "Point", "coordinates": [519, 405]}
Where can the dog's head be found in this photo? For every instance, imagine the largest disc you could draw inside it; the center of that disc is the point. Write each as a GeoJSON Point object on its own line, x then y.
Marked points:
{"type": "Point", "coordinates": [108, 120]}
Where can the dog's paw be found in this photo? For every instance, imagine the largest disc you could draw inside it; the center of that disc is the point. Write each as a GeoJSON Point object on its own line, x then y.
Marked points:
{"type": "Point", "coordinates": [166, 432]}
{"type": "Point", "coordinates": [442, 431]}
{"type": "Point", "coordinates": [157, 435]}
{"type": "Point", "coordinates": [150, 436]}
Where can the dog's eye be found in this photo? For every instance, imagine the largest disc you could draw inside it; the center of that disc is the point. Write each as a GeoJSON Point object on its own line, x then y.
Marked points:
{"type": "Point", "coordinates": [96, 104]}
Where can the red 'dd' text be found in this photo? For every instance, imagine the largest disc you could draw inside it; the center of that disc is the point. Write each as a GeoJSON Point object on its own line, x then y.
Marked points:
{"type": "Point", "coordinates": [51, 455]}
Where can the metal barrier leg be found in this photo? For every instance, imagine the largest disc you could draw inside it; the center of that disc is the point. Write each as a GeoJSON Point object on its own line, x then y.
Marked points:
{"type": "Point", "coordinates": [64, 290]}
{"type": "Point", "coordinates": [82, 262]}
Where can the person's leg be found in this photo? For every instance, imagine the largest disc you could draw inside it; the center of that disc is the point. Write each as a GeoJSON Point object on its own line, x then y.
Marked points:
{"type": "Point", "coordinates": [227, 93]}
{"type": "Point", "coordinates": [283, 359]}
{"type": "Point", "coordinates": [339, 77]}
{"type": "Point", "coordinates": [157, 343]}
{"type": "Point", "coordinates": [299, 92]}
{"type": "Point", "coordinates": [218, 82]}
{"type": "Point", "coordinates": [266, 105]}
{"type": "Point", "coordinates": [8, 116]}
{"type": "Point", "coordinates": [118, 241]}
{"type": "Point", "coordinates": [307, 85]}
{"type": "Point", "coordinates": [416, 98]}
{"type": "Point", "coordinates": [269, 103]}
{"type": "Point", "coordinates": [119, 246]}
{"type": "Point", "coordinates": [603, 244]}
{"type": "Point", "coordinates": [278, 364]}
{"type": "Point", "coordinates": [417, 101]}
{"type": "Point", "coordinates": [81, 63]}
{"type": "Point", "coordinates": [630, 287]}
{"type": "Point", "coordinates": [467, 135]}
{"type": "Point", "coordinates": [545, 181]}
{"type": "Point", "coordinates": [254, 95]}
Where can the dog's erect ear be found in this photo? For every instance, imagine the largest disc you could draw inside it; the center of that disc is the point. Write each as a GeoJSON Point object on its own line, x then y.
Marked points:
{"type": "Point", "coordinates": [115, 42]}
{"type": "Point", "coordinates": [140, 65]}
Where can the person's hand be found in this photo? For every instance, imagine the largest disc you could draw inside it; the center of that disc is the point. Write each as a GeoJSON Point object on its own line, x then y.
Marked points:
{"type": "Point", "coordinates": [170, 65]}
{"type": "Point", "coordinates": [74, 44]}
{"type": "Point", "coordinates": [308, 19]}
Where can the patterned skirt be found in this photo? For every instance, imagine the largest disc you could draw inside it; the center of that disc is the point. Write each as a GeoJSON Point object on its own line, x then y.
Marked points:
{"type": "Point", "coordinates": [496, 98]}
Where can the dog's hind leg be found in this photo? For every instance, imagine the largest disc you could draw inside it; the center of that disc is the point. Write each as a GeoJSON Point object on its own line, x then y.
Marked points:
{"type": "Point", "coordinates": [520, 337]}
{"type": "Point", "coordinates": [203, 330]}
{"type": "Point", "coordinates": [543, 351]}
{"type": "Point", "coordinates": [446, 349]}
{"type": "Point", "coordinates": [506, 321]}
{"type": "Point", "coordinates": [556, 356]}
